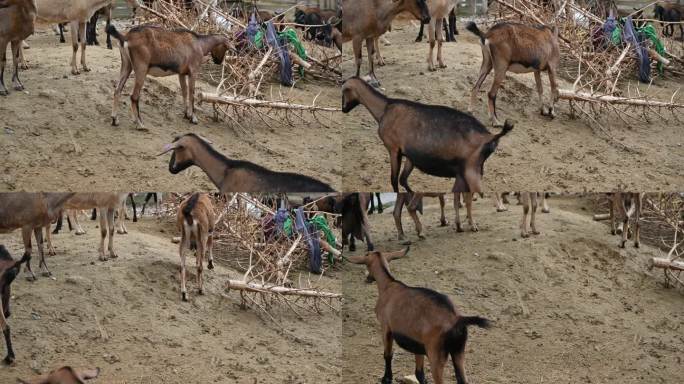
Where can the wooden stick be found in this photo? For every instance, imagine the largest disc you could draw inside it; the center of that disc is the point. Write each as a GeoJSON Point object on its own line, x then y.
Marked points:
{"type": "Point", "coordinates": [614, 100]}
{"type": "Point", "coordinates": [659, 262]}
{"type": "Point", "coordinates": [266, 288]}
{"type": "Point", "coordinates": [601, 216]}
{"type": "Point", "coordinates": [233, 100]}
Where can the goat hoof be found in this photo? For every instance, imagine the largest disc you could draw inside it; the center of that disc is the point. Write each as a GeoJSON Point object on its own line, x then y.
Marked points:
{"type": "Point", "coordinates": [19, 87]}
{"type": "Point", "coordinates": [386, 380]}
{"type": "Point", "coordinates": [621, 245]}
{"type": "Point", "coordinates": [546, 210]}
{"type": "Point", "coordinates": [193, 119]}
{"type": "Point", "coordinates": [75, 72]}
{"type": "Point", "coordinates": [31, 277]}
{"type": "Point", "coordinates": [536, 232]}
{"type": "Point", "coordinates": [636, 245]}
{"type": "Point", "coordinates": [421, 237]}
{"type": "Point", "coordinates": [46, 274]}
{"type": "Point", "coordinates": [9, 359]}
{"type": "Point", "coordinates": [474, 228]}
{"type": "Point", "coordinates": [115, 121]}
{"type": "Point", "coordinates": [502, 209]}
{"type": "Point", "coordinates": [211, 265]}
{"type": "Point", "coordinates": [524, 235]}
{"type": "Point", "coordinates": [405, 242]}
{"type": "Point", "coordinates": [184, 296]}
{"type": "Point", "coordinates": [86, 69]}
{"type": "Point", "coordinates": [113, 255]}
{"type": "Point", "coordinates": [459, 228]}
{"type": "Point", "coordinates": [612, 232]}
{"type": "Point", "coordinates": [200, 291]}
{"type": "Point", "coordinates": [3, 92]}
{"type": "Point", "coordinates": [442, 66]}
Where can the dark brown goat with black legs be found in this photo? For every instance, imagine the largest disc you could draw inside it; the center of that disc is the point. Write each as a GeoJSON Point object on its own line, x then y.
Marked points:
{"type": "Point", "coordinates": [438, 140]}
{"type": "Point", "coordinates": [9, 269]}
{"type": "Point", "coordinates": [235, 175]}
{"type": "Point", "coordinates": [156, 51]}
{"type": "Point", "coordinates": [420, 320]}
{"type": "Point", "coordinates": [16, 24]}
{"type": "Point", "coordinates": [518, 48]}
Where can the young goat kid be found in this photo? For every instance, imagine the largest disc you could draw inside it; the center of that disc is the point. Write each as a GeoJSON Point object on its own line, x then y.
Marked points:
{"type": "Point", "coordinates": [9, 269]}
{"type": "Point", "coordinates": [159, 52]}
{"type": "Point", "coordinates": [235, 175]}
{"type": "Point", "coordinates": [438, 140]}
{"type": "Point", "coordinates": [420, 320]}
{"type": "Point", "coordinates": [16, 24]}
{"type": "Point", "coordinates": [517, 48]}
{"type": "Point", "coordinates": [196, 223]}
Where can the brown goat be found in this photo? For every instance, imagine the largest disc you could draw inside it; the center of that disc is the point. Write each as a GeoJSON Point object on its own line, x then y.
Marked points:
{"type": "Point", "coordinates": [235, 175]}
{"type": "Point", "coordinates": [438, 140]}
{"type": "Point", "coordinates": [16, 24]}
{"type": "Point", "coordinates": [31, 212]}
{"type": "Point", "coordinates": [439, 10]}
{"type": "Point", "coordinates": [156, 51]}
{"type": "Point", "coordinates": [64, 375]}
{"type": "Point", "coordinates": [619, 202]}
{"type": "Point", "coordinates": [106, 203]}
{"type": "Point", "coordinates": [420, 320]}
{"type": "Point", "coordinates": [9, 269]}
{"type": "Point", "coordinates": [517, 48]}
{"type": "Point", "coordinates": [195, 221]}
{"type": "Point", "coordinates": [367, 20]}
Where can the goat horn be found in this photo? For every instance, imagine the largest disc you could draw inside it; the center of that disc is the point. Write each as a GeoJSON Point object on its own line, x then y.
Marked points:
{"type": "Point", "coordinates": [167, 148]}
{"type": "Point", "coordinates": [389, 256]}
{"type": "Point", "coordinates": [357, 259]}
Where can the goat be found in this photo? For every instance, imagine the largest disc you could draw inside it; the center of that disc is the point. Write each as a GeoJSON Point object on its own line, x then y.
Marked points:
{"type": "Point", "coordinates": [9, 269]}
{"type": "Point", "coordinates": [367, 20]}
{"type": "Point", "coordinates": [529, 203]}
{"type": "Point", "coordinates": [353, 220]}
{"type": "Point", "coordinates": [107, 204]}
{"type": "Point", "coordinates": [156, 51]}
{"type": "Point", "coordinates": [619, 201]}
{"type": "Point", "coordinates": [157, 196]}
{"type": "Point", "coordinates": [195, 221]}
{"type": "Point", "coordinates": [31, 212]}
{"type": "Point", "coordinates": [669, 13]}
{"type": "Point", "coordinates": [235, 175]}
{"type": "Point", "coordinates": [439, 10]}
{"type": "Point", "coordinates": [420, 320]}
{"type": "Point", "coordinates": [438, 140]}
{"type": "Point", "coordinates": [449, 28]}
{"type": "Point", "coordinates": [317, 22]}
{"type": "Point", "coordinates": [91, 26]}
{"type": "Point", "coordinates": [77, 13]}
{"type": "Point", "coordinates": [16, 24]}
{"type": "Point", "coordinates": [521, 49]}
{"type": "Point", "coordinates": [64, 375]}
{"type": "Point", "coordinates": [372, 205]}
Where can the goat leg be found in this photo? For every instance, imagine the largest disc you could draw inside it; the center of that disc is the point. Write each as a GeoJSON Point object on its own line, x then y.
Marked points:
{"type": "Point", "coordinates": [39, 242]}
{"type": "Point", "coordinates": [111, 226]}
{"type": "Point", "coordinates": [468, 197]}
{"type": "Point", "coordinates": [457, 204]}
{"type": "Point", "coordinates": [26, 236]}
{"type": "Point", "coordinates": [74, 47]}
{"type": "Point", "coordinates": [398, 206]}
{"type": "Point", "coordinates": [3, 61]}
{"type": "Point", "coordinates": [16, 59]}
{"type": "Point", "coordinates": [387, 354]}
{"type": "Point", "coordinates": [443, 222]}
{"type": "Point", "coordinates": [190, 114]}
{"type": "Point", "coordinates": [420, 369]}
{"type": "Point", "coordinates": [9, 359]}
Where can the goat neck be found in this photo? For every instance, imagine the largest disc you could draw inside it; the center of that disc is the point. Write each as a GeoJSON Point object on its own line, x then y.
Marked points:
{"type": "Point", "coordinates": [379, 270]}
{"type": "Point", "coordinates": [213, 165]}
{"type": "Point", "coordinates": [387, 10]}
{"type": "Point", "coordinates": [374, 101]}
{"type": "Point", "coordinates": [208, 42]}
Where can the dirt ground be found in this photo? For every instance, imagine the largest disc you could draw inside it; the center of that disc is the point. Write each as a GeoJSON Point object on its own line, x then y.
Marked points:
{"type": "Point", "coordinates": [563, 154]}
{"type": "Point", "coordinates": [57, 135]}
{"type": "Point", "coordinates": [568, 306]}
{"type": "Point", "coordinates": [150, 336]}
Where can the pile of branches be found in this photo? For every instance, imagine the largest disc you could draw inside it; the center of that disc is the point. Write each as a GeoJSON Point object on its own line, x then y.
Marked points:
{"type": "Point", "coordinates": [273, 268]}
{"type": "Point", "coordinates": [248, 80]}
{"type": "Point", "coordinates": [663, 221]}
{"type": "Point", "coordinates": [602, 72]}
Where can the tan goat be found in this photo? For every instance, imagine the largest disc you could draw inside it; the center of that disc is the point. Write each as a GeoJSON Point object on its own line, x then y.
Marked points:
{"type": "Point", "coordinates": [196, 220]}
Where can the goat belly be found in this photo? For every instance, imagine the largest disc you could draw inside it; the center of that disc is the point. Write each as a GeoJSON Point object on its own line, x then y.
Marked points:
{"type": "Point", "coordinates": [160, 71]}
{"type": "Point", "coordinates": [408, 343]}
{"type": "Point", "coordinates": [434, 165]}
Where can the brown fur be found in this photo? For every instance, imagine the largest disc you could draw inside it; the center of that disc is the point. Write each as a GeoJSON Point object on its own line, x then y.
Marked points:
{"type": "Point", "coordinates": [235, 175]}
{"type": "Point", "coordinates": [195, 220]}
{"type": "Point", "coordinates": [367, 20]}
{"type": "Point", "coordinates": [439, 10]}
{"type": "Point", "coordinates": [425, 317]}
{"type": "Point", "coordinates": [439, 140]}
{"type": "Point", "coordinates": [30, 212]}
{"type": "Point", "coordinates": [16, 24]}
{"type": "Point", "coordinates": [521, 49]}
{"type": "Point", "coordinates": [157, 51]}
{"type": "Point", "coordinates": [64, 375]}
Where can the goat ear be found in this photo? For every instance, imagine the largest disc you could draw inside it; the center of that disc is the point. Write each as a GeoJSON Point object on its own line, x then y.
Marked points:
{"type": "Point", "coordinates": [357, 259]}
{"type": "Point", "coordinates": [389, 256]}
{"type": "Point", "coordinates": [205, 139]}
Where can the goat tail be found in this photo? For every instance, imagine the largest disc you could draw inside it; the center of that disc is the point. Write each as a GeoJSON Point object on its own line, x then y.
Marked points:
{"type": "Point", "coordinates": [472, 27]}
{"type": "Point", "coordinates": [111, 30]}
{"type": "Point", "coordinates": [455, 339]}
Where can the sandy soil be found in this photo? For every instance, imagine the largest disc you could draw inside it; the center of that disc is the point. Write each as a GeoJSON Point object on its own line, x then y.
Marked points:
{"type": "Point", "coordinates": [41, 127]}
{"type": "Point", "coordinates": [568, 305]}
{"type": "Point", "coordinates": [563, 154]}
{"type": "Point", "coordinates": [153, 337]}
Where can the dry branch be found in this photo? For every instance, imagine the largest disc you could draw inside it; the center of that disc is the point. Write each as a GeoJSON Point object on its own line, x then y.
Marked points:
{"type": "Point", "coordinates": [266, 288]}
{"type": "Point", "coordinates": [233, 100]}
